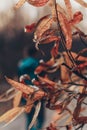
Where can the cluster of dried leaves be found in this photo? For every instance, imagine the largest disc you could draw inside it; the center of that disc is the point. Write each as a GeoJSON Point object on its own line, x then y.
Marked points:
{"type": "Point", "coordinates": [59, 27]}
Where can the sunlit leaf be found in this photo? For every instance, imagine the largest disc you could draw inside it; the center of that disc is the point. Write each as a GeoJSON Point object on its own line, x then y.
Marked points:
{"type": "Point", "coordinates": [17, 99]}
{"type": "Point", "coordinates": [11, 114]}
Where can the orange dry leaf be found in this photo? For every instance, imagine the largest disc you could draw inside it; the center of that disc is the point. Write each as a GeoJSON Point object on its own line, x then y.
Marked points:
{"type": "Point", "coordinates": [19, 4]}
{"type": "Point", "coordinates": [47, 37]}
{"type": "Point", "coordinates": [59, 9]}
{"type": "Point", "coordinates": [66, 28]}
{"type": "Point", "coordinates": [46, 80]}
{"type": "Point", "coordinates": [80, 58]}
{"type": "Point", "coordinates": [30, 28]}
{"type": "Point", "coordinates": [43, 24]}
{"type": "Point", "coordinates": [37, 3]}
{"type": "Point", "coordinates": [69, 9]}
{"type": "Point", "coordinates": [44, 66]}
{"type": "Point", "coordinates": [77, 17]}
{"type": "Point", "coordinates": [26, 89]}
{"type": "Point", "coordinates": [23, 88]}
{"type": "Point", "coordinates": [17, 99]}
{"type": "Point", "coordinates": [65, 77]}
{"type": "Point", "coordinates": [50, 39]}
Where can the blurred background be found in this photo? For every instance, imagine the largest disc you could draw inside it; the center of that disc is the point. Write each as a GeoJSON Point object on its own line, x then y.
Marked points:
{"type": "Point", "coordinates": [13, 40]}
{"type": "Point", "coordinates": [12, 36]}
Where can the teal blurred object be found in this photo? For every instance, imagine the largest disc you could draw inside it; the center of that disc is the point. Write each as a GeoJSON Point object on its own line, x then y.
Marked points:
{"type": "Point", "coordinates": [27, 66]}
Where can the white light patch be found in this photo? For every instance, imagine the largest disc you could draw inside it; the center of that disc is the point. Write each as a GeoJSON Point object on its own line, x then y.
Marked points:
{"type": "Point", "coordinates": [30, 12]}
{"type": "Point", "coordinates": [5, 4]}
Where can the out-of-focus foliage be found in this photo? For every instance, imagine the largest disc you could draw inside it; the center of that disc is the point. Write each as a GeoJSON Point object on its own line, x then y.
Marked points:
{"type": "Point", "coordinates": [59, 27]}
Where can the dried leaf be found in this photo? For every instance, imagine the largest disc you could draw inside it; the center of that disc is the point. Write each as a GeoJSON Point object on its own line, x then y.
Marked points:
{"type": "Point", "coordinates": [17, 99]}
{"type": "Point", "coordinates": [66, 28]}
{"type": "Point", "coordinates": [77, 17]}
{"type": "Point", "coordinates": [46, 80]}
{"type": "Point", "coordinates": [59, 9]}
{"type": "Point", "coordinates": [43, 24]}
{"type": "Point", "coordinates": [81, 2]}
{"type": "Point", "coordinates": [65, 77]}
{"type": "Point", "coordinates": [37, 109]}
{"type": "Point", "coordinates": [29, 105]}
{"type": "Point", "coordinates": [30, 28]}
{"type": "Point", "coordinates": [35, 97]}
{"type": "Point", "coordinates": [74, 55]}
{"type": "Point", "coordinates": [69, 9]}
{"type": "Point", "coordinates": [23, 88]}
{"type": "Point", "coordinates": [19, 4]}
{"type": "Point", "coordinates": [37, 3]}
{"type": "Point", "coordinates": [44, 66]}
{"type": "Point", "coordinates": [11, 114]}
{"type": "Point", "coordinates": [47, 37]}
{"type": "Point", "coordinates": [50, 39]}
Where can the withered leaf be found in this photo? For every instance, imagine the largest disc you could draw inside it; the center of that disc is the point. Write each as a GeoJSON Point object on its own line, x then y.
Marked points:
{"type": "Point", "coordinates": [37, 3]}
{"type": "Point", "coordinates": [23, 88]}
{"type": "Point", "coordinates": [77, 17]}
{"type": "Point", "coordinates": [69, 9]}
{"type": "Point", "coordinates": [46, 80]}
{"type": "Point", "coordinates": [19, 4]}
{"type": "Point", "coordinates": [30, 28]}
{"type": "Point", "coordinates": [49, 39]}
{"type": "Point", "coordinates": [59, 9]}
{"type": "Point", "coordinates": [44, 66]}
{"type": "Point", "coordinates": [17, 99]}
{"type": "Point", "coordinates": [11, 114]}
{"type": "Point", "coordinates": [82, 2]}
{"type": "Point", "coordinates": [43, 24]}
{"type": "Point", "coordinates": [66, 28]}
